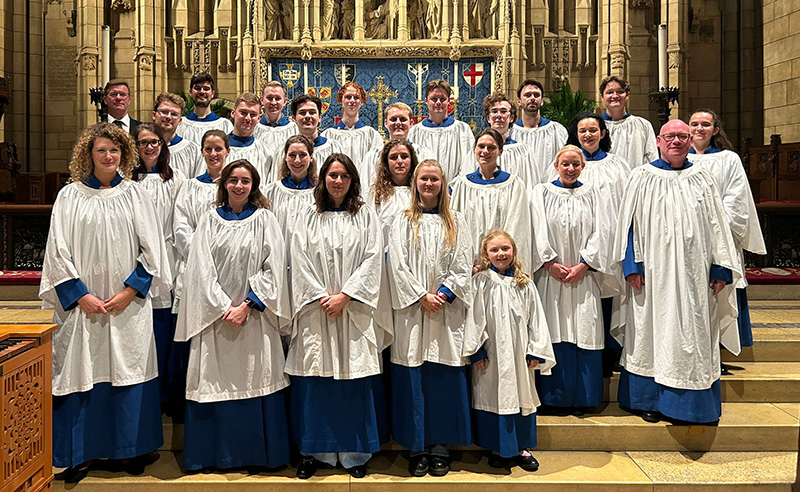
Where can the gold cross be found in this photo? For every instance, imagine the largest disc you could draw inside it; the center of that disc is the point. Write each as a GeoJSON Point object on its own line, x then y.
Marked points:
{"type": "Point", "coordinates": [381, 93]}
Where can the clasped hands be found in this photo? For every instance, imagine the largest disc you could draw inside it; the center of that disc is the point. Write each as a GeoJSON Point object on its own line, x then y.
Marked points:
{"type": "Point", "coordinates": [565, 274]}
{"type": "Point", "coordinates": [432, 303]}
{"type": "Point", "coordinates": [91, 304]}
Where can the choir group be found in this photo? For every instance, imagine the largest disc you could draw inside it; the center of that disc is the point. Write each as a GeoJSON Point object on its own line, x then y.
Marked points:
{"type": "Point", "coordinates": [285, 290]}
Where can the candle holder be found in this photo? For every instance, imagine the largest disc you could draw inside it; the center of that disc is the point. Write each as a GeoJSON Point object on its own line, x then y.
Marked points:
{"type": "Point", "coordinates": [97, 93]}
{"type": "Point", "coordinates": [661, 99]}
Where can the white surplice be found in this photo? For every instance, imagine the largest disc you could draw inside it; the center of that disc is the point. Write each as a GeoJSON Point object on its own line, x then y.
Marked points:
{"type": "Point", "coordinates": [670, 328]}
{"type": "Point", "coordinates": [545, 141]}
{"type": "Point", "coordinates": [452, 145]}
{"type": "Point", "coordinates": [164, 193]}
{"type": "Point", "coordinates": [227, 260]}
{"type": "Point", "coordinates": [421, 265]}
{"type": "Point", "coordinates": [368, 167]}
{"type": "Point", "coordinates": [356, 143]}
{"type": "Point", "coordinates": [611, 172]}
{"type": "Point", "coordinates": [337, 252]}
{"type": "Point", "coordinates": [257, 154]}
{"type": "Point", "coordinates": [519, 159]}
{"type": "Point", "coordinates": [185, 157]}
{"type": "Point", "coordinates": [509, 323]}
{"type": "Point", "coordinates": [388, 210]}
{"type": "Point", "coordinates": [98, 236]}
{"type": "Point", "coordinates": [275, 136]}
{"type": "Point", "coordinates": [634, 140]}
{"type": "Point", "coordinates": [580, 227]}
{"type": "Point", "coordinates": [288, 205]}
{"type": "Point", "coordinates": [193, 130]}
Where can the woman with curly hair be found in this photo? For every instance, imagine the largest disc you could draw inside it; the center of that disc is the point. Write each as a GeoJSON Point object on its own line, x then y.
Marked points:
{"type": "Point", "coordinates": [337, 336]}
{"type": "Point", "coordinates": [105, 261]}
{"type": "Point", "coordinates": [391, 192]}
{"type": "Point", "coordinates": [156, 175]}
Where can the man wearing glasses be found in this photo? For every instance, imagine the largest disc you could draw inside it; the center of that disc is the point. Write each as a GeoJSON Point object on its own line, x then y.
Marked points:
{"type": "Point", "coordinates": [517, 158]}
{"type": "Point", "coordinates": [184, 154]}
{"type": "Point", "coordinates": [677, 256]}
{"type": "Point", "coordinates": [632, 137]}
{"type": "Point", "coordinates": [117, 98]}
{"type": "Point", "coordinates": [202, 119]}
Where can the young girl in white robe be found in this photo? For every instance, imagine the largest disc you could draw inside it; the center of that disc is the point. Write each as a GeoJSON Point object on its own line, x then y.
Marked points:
{"type": "Point", "coordinates": [235, 307]}
{"type": "Point", "coordinates": [580, 229]}
{"type": "Point", "coordinates": [336, 341]}
{"type": "Point", "coordinates": [430, 264]}
{"type": "Point", "coordinates": [156, 176]}
{"type": "Point", "coordinates": [491, 198]}
{"type": "Point", "coordinates": [507, 337]}
{"type": "Point", "coordinates": [104, 263]}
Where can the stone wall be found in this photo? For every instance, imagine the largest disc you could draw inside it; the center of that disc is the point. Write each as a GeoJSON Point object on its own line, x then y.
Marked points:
{"type": "Point", "coordinates": [781, 20]}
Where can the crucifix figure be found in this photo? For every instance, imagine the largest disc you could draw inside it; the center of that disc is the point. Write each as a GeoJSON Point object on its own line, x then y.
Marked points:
{"type": "Point", "coordinates": [381, 93]}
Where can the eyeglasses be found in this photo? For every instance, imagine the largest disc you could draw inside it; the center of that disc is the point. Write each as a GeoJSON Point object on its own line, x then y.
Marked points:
{"type": "Point", "coordinates": [682, 137]}
{"type": "Point", "coordinates": [148, 143]}
{"type": "Point", "coordinates": [123, 95]}
{"type": "Point", "coordinates": [166, 112]}
{"type": "Point", "coordinates": [499, 111]}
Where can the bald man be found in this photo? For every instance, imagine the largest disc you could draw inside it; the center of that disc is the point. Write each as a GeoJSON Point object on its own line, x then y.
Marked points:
{"type": "Point", "coordinates": [677, 256]}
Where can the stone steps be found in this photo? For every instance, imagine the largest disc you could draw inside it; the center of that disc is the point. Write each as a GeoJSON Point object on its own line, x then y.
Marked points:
{"type": "Point", "coordinates": [743, 427]}
{"type": "Point", "coordinates": [587, 471]}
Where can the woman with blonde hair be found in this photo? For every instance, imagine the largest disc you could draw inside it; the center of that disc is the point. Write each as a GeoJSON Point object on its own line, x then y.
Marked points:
{"type": "Point", "coordinates": [105, 260]}
{"type": "Point", "coordinates": [430, 264]}
{"type": "Point", "coordinates": [507, 338]}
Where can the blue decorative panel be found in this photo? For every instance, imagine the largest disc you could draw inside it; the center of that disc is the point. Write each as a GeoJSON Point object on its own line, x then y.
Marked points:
{"type": "Point", "coordinates": [325, 76]}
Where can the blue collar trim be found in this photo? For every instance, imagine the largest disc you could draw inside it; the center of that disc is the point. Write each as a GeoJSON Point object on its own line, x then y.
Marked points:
{"type": "Point", "coordinates": [143, 169]}
{"type": "Point", "coordinates": [342, 126]}
{"type": "Point", "coordinates": [606, 117]}
{"type": "Point", "coordinates": [282, 121]}
{"type": "Point", "coordinates": [227, 213]}
{"type": "Point", "coordinates": [289, 182]}
{"type": "Point", "coordinates": [500, 176]}
{"type": "Point", "coordinates": [336, 209]}
{"type": "Point", "coordinates": [175, 140]}
{"type": "Point", "coordinates": [542, 122]}
{"type": "Point", "coordinates": [205, 178]}
{"type": "Point", "coordinates": [509, 141]}
{"type": "Point", "coordinates": [558, 183]}
{"type": "Point", "coordinates": [212, 116]}
{"type": "Point", "coordinates": [662, 164]}
{"type": "Point", "coordinates": [320, 141]}
{"type": "Point", "coordinates": [508, 273]}
{"type": "Point", "coordinates": [237, 141]}
{"type": "Point", "coordinates": [447, 122]}
{"type": "Point", "coordinates": [434, 210]}
{"type": "Point", "coordinates": [598, 155]}
{"type": "Point", "coordinates": [93, 182]}
{"type": "Point", "coordinates": [709, 150]}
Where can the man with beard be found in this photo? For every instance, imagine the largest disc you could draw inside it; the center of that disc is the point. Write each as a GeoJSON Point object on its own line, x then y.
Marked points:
{"type": "Point", "coordinates": [274, 128]}
{"type": "Point", "coordinates": [202, 119]}
{"type": "Point", "coordinates": [544, 136]}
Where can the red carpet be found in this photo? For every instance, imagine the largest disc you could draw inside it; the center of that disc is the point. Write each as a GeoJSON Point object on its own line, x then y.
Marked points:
{"type": "Point", "coordinates": [20, 277]}
{"type": "Point", "coordinates": [773, 276]}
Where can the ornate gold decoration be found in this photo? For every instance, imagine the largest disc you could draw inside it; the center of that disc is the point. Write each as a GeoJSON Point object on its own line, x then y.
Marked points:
{"type": "Point", "coordinates": [337, 52]}
{"type": "Point", "coordinates": [23, 416]}
{"type": "Point", "coordinates": [455, 53]}
{"type": "Point", "coordinates": [414, 52]}
{"type": "Point", "coordinates": [280, 52]}
{"type": "Point", "coordinates": [305, 52]}
{"type": "Point", "coordinates": [381, 93]}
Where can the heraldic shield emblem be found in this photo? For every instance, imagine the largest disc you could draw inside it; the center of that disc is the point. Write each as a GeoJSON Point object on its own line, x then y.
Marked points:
{"type": "Point", "coordinates": [289, 73]}
{"type": "Point", "coordinates": [473, 73]}
{"type": "Point", "coordinates": [324, 93]}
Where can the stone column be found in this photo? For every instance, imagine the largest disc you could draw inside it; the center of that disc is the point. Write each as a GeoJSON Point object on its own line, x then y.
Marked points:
{"type": "Point", "coordinates": [614, 35]}
{"type": "Point", "coordinates": [402, 20]}
{"type": "Point", "coordinates": [90, 18]}
{"type": "Point", "coordinates": [358, 30]}
{"type": "Point", "coordinates": [678, 26]}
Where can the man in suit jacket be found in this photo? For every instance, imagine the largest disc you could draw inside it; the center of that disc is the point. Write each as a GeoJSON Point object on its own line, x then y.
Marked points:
{"type": "Point", "coordinates": [117, 97]}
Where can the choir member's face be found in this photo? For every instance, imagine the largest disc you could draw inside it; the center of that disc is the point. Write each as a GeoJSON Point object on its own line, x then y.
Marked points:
{"type": "Point", "coordinates": [429, 183]}
{"type": "Point", "coordinates": [351, 101]}
{"type": "Point", "coordinates": [239, 184]}
{"type": "Point", "coordinates": [437, 100]}
{"type": "Point", "coordinates": [337, 182]}
{"type": "Point", "coordinates": [398, 122]}
{"type": "Point", "coordinates": [399, 164]}
{"type": "Point", "coordinates": [674, 141]}
{"type": "Point", "coordinates": [569, 167]}
{"type": "Point", "coordinates": [487, 151]}
{"type": "Point", "coordinates": [117, 99]}
{"type": "Point", "coordinates": [245, 117]}
{"type": "Point", "coordinates": [590, 134]}
{"type": "Point", "coordinates": [701, 126]}
{"type": "Point", "coordinates": [273, 100]}
{"type": "Point", "coordinates": [105, 156]}
{"type": "Point", "coordinates": [615, 96]}
{"type": "Point", "coordinates": [500, 253]}
{"type": "Point", "coordinates": [167, 117]}
{"type": "Point", "coordinates": [530, 99]}
{"type": "Point", "coordinates": [500, 116]}
{"type": "Point", "coordinates": [307, 117]}
{"type": "Point", "coordinates": [297, 160]}
{"type": "Point", "coordinates": [201, 93]}
{"type": "Point", "coordinates": [214, 153]}
{"type": "Point", "coordinates": [149, 146]}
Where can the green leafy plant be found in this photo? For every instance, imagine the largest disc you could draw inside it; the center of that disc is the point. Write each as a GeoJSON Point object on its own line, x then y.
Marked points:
{"type": "Point", "coordinates": [220, 106]}
{"type": "Point", "coordinates": [563, 105]}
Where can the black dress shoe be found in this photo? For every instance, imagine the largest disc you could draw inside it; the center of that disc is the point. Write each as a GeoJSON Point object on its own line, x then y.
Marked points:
{"type": "Point", "coordinates": [76, 473]}
{"type": "Point", "coordinates": [359, 471]}
{"type": "Point", "coordinates": [438, 466]}
{"type": "Point", "coordinates": [651, 417]}
{"type": "Point", "coordinates": [149, 458]}
{"type": "Point", "coordinates": [418, 465]}
{"type": "Point", "coordinates": [528, 463]}
{"type": "Point", "coordinates": [724, 370]}
{"type": "Point", "coordinates": [133, 466]}
{"type": "Point", "coordinates": [497, 461]}
{"type": "Point", "coordinates": [307, 467]}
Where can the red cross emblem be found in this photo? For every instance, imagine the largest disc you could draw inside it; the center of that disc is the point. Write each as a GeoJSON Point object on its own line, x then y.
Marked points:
{"type": "Point", "coordinates": [473, 73]}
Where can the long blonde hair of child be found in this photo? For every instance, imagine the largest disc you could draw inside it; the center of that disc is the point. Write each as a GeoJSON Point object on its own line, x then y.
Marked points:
{"type": "Point", "coordinates": [414, 211]}
{"type": "Point", "coordinates": [520, 277]}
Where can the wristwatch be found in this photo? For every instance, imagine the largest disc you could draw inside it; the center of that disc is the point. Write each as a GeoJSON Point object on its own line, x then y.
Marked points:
{"type": "Point", "coordinates": [251, 303]}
